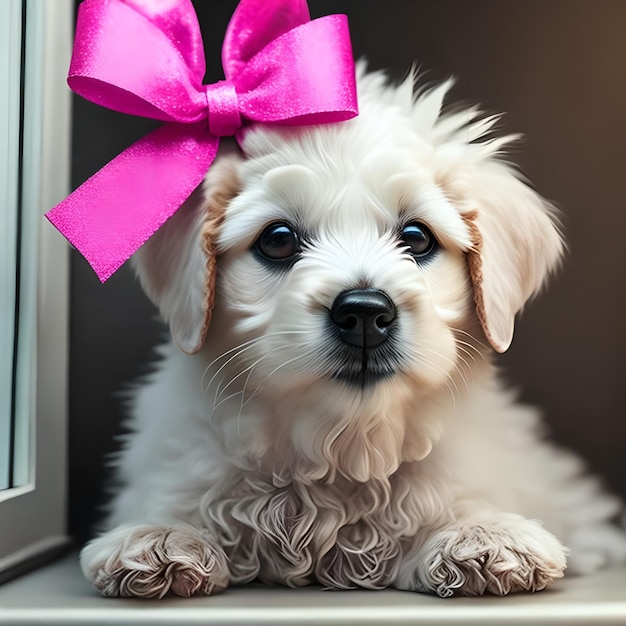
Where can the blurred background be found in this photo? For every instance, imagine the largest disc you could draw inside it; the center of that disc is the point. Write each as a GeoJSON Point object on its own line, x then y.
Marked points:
{"type": "Point", "coordinates": [558, 70]}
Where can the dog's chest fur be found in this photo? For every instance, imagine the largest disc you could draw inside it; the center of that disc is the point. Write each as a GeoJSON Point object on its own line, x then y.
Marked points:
{"type": "Point", "coordinates": [322, 483]}
{"type": "Point", "coordinates": [297, 533]}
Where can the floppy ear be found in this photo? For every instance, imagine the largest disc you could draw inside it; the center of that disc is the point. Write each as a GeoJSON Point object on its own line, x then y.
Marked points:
{"type": "Point", "coordinates": [516, 244]}
{"type": "Point", "coordinates": [177, 265]}
{"type": "Point", "coordinates": [515, 238]}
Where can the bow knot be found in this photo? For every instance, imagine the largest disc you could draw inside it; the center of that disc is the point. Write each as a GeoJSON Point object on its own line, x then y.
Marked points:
{"type": "Point", "coordinates": [146, 57]}
{"type": "Point", "coordinates": [223, 108]}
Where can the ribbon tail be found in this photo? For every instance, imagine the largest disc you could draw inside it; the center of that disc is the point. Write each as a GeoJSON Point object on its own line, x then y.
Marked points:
{"type": "Point", "coordinates": [120, 207]}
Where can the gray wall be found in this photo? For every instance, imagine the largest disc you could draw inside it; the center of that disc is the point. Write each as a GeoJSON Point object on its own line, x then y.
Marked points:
{"type": "Point", "coordinates": [558, 68]}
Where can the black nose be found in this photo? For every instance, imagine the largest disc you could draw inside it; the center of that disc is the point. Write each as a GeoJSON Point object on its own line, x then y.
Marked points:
{"type": "Point", "coordinates": [363, 317]}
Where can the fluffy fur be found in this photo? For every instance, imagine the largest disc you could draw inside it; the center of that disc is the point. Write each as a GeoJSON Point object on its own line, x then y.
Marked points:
{"type": "Point", "coordinates": [249, 459]}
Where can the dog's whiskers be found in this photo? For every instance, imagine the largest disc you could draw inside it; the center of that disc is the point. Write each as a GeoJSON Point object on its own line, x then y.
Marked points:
{"type": "Point", "coordinates": [448, 374]}
{"type": "Point", "coordinates": [260, 386]}
{"type": "Point", "coordinates": [220, 392]}
{"type": "Point", "coordinates": [474, 341]}
{"type": "Point", "coordinates": [469, 350]}
{"type": "Point", "coordinates": [309, 358]}
{"type": "Point", "coordinates": [464, 351]}
{"type": "Point", "coordinates": [249, 370]}
{"type": "Point", "coordinates": [235, 353]}
{"type": "Point", "coordinates": [464, 364]}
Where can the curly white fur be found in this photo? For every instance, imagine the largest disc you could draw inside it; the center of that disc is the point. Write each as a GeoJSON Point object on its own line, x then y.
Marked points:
{"type": "Point", "coordinates": [249, 460]}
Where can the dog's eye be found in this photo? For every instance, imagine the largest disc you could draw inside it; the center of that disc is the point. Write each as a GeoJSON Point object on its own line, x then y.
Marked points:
{"type": "Point", "coordinates": [420, 241]}
{"type": "Point", "coordinates": [278, 242]}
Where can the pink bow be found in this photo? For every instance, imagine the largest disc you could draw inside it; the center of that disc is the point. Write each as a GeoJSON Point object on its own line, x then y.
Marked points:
{"type": "Point", "coordinates": [146, 57]}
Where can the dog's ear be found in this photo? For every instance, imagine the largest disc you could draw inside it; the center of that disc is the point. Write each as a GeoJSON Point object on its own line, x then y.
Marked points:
{"type": "Point", "coordinates": [177, 265]}
{"type": "Point", "coordinates": [516, 244]}
{"type": "Point", "coordinates": [515, 235]}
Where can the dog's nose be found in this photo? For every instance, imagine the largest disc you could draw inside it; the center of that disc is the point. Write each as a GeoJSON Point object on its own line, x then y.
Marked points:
{"type": "Point", "coordinates": [363, 316]}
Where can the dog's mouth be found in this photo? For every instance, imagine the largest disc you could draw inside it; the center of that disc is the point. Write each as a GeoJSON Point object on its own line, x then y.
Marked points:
{"type": "Point", "coordinates": [364, 367]}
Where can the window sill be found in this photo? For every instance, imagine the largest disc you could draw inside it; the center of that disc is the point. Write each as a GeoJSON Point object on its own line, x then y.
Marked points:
{"type": "Point", "coordinates": [58, 594]}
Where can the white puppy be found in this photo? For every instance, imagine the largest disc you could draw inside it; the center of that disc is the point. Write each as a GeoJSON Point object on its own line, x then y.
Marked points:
{"type": "Point", "coordinates": [341, 421]}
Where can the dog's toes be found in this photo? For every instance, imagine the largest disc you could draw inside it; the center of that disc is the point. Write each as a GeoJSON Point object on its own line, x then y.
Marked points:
{"type": "Point", "coordinates": [498, 558]}
{"type": "Point", "coordinates": [152, 561]}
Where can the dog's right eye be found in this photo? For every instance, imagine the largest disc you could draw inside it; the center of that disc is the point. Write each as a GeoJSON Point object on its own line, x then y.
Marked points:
{"type": "Point", "coordinates": [279, 242]}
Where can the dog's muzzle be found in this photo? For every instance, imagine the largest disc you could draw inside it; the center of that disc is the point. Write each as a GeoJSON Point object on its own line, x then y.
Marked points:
{"type": "Point", "coordinates": [363, 321]}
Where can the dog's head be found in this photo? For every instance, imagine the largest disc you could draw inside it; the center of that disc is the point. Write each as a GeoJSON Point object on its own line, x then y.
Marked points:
{"type": "Point", "coordinates": [356, 253]}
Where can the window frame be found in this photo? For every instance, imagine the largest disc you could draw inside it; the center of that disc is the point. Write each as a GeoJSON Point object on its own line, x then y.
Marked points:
{"type": "Point", "coordinates": [10, 71]}
{"type": "Point", "coordinates": [33, 516]}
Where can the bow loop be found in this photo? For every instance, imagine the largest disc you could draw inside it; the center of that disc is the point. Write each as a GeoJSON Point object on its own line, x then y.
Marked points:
{"type": "Point", "coordinates": [177, 20]}
{"type": "Point", "coordinates": [299, 92]}
{"type": "Point", "coordinates": [124, 61]}
{"type": "Point", "coordinates": [255, 24]}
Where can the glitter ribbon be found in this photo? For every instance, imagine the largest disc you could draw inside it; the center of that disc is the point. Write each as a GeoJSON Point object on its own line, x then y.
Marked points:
{"type": "Point", "coordinates": [146, 58]}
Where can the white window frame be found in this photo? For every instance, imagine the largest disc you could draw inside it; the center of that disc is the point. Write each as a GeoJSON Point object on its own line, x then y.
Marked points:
{"type": "Point", "coordinates": [10, 40]}
{"type": "Point", "coordinates": [33, 516]}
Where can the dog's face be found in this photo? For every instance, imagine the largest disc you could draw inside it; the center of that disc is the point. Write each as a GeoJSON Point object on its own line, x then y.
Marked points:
{"type": "Point", "coordinates": [374, 253]}
{"type": "Point", "coordinates": [341, 261]}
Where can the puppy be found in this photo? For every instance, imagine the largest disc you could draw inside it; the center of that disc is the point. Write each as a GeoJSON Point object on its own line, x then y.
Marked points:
{"type": "Point", "coordinates": [340, 421]}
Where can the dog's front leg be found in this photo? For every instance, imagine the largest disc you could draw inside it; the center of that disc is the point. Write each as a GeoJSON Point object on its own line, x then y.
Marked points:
{"type": "Point", "coordinates": [150, 561]}
{"type": "Point", "coordinates": [481, 550]}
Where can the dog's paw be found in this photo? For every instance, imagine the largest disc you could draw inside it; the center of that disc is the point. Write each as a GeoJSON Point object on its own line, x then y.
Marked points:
{"type": "Point", "coordinates": [151, 561]}
{"type": "Point", "coordinates": [500, 556]}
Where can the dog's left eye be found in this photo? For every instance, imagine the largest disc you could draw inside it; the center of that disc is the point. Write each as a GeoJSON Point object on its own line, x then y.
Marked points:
{"type": "Point", "coordinates": [278, 242]}
{"type": "Point", "coordinates": [420, 241]}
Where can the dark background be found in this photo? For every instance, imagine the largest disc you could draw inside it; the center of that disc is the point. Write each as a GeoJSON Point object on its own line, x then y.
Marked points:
{"type": "Point", "coordinates": [558, 69]}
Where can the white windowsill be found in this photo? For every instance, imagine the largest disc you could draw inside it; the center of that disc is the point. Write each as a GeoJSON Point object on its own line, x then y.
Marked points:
{"type": "Point", "coordinates": [58, 594]}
